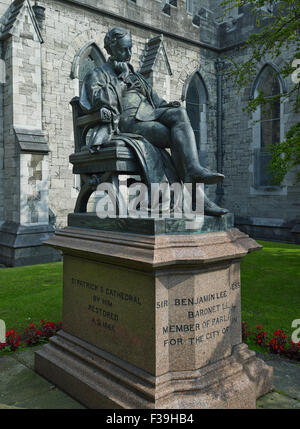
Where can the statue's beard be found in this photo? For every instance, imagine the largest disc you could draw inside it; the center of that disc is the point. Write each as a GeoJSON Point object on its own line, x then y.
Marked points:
{"type": "Point", "coordinates": [120, 67]}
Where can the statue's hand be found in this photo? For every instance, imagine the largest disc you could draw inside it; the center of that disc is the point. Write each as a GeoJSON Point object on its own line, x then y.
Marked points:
{"type": "Point", "coordinates": [174, 104]}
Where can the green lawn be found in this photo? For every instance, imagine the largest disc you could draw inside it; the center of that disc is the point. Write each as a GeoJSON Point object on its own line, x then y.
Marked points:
{"type": "Point", "coordinates": [270, 290]}
{"type": "Point", "coordinates": [271, 287]}
{"type": "Point", "coordinates": [29, 294]}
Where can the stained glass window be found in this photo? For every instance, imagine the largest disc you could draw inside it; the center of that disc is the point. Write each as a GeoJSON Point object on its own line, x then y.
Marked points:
{"type": "Point", "coordinates": [269, 85]}
{"type": "Point", "coordinates": [270, 113]}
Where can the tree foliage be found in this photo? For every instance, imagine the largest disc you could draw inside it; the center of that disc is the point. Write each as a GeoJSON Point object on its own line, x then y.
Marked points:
{"type": "Point", "coordinates": [277, 31]}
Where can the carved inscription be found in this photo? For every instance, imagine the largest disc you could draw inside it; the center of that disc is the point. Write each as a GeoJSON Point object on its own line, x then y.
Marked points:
{"type": "Point", "coordinates": [206, 317]}
{"type": "Point", "coordinates": [103, 301]}
{"type": "Point", "coordinates": [201, 319]}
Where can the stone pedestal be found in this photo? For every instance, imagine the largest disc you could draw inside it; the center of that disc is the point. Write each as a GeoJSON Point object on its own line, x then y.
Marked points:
{"type": "Point", "coordinates": [153, 321]}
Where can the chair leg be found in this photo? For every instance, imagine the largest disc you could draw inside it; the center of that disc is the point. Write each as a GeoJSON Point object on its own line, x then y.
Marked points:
{"type": "Point", "coordinates": [85, 192]}
{"type": "Point", "coordinates": [117, 198]}
{"type": "Point", "coordinates": [89, 185]}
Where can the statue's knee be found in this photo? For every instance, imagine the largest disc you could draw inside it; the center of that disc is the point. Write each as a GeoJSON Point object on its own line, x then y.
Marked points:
{"type": "Point", "coordinates": [181, 114]}
{"type": "Point", "coordinates": [174, 115]}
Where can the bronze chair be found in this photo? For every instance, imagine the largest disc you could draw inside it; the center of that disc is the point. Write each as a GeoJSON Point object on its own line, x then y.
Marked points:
{"type": "Point", "coordinates": [113, 159]}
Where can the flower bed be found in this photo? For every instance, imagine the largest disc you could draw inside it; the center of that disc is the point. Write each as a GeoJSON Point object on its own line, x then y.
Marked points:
{"type": "Point", "coordinates": [277, 343]}
{"type": "Point", "coordinates": [32, 336]}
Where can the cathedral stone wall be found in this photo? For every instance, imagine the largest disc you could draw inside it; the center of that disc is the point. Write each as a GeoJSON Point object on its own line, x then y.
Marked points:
{"type": "Point", "coordinates": [41, 46]}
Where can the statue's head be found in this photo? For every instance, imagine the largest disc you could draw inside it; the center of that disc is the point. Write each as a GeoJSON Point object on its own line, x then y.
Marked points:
{"type": "Point", "coordinates": [118, 44]}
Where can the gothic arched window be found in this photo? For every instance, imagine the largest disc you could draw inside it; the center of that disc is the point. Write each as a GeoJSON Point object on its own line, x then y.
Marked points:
{"type": "Point", "coordinates": [189, 6]}
{"type": "Point", "coordinates": [270, 113]}
{"type": "Point", "coordinates": [268, 126]}
{"type": "Point", "coordinates": [88, 58]}
{"type": "Point", "coordinates": [196, 104]}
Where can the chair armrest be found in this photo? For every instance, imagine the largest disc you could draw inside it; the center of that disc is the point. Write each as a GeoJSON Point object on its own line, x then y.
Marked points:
{"type": "Point", "coordinates": [83, 122]}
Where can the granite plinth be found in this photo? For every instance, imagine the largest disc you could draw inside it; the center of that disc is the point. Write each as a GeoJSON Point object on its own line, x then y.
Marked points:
{"type": "Point", "coordinates": [153, 321]}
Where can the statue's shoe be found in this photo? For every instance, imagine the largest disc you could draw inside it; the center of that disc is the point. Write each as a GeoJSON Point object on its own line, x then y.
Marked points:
{"type": "Point", "coordinates": [203, 175]}
{"type": "Point", "coordinates": [211, 209]}
{"type": "Point", "coordinates": [95, 148]}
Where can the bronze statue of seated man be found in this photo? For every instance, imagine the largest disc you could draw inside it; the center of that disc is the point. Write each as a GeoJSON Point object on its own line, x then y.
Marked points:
{"type": "Point", "coordinates": [134, 107]}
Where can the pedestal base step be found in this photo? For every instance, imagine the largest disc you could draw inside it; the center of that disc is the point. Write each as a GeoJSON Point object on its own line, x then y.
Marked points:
{"type": "Point", "coordinates": [102, 381]}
